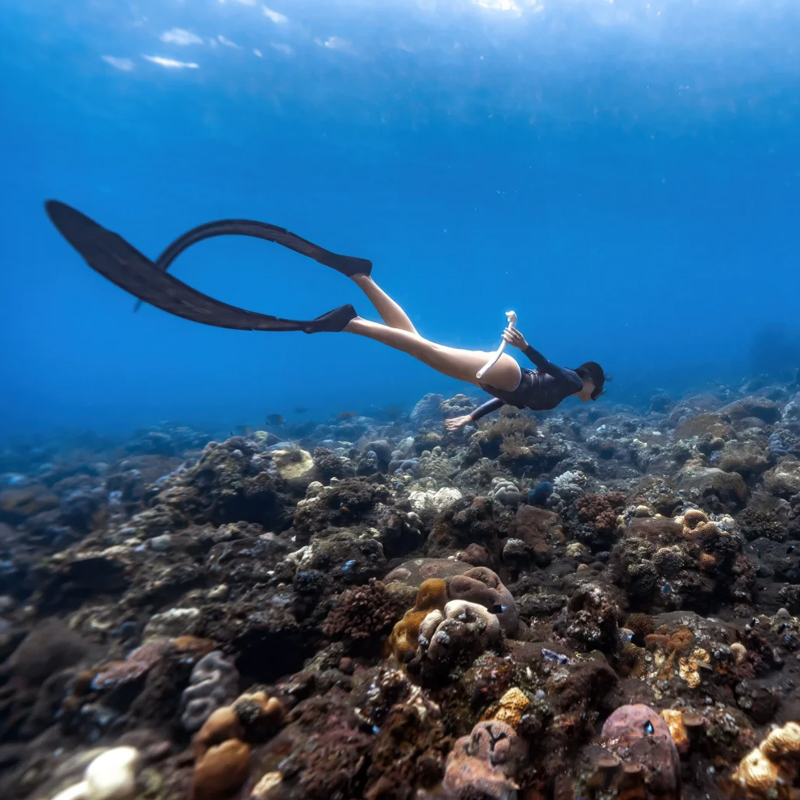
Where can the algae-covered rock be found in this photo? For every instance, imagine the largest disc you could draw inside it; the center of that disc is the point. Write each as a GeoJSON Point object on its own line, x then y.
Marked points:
{"type": "Point", "coordinates": [783, 480]}
{"type": "Point", "coordinates": [703, 482]}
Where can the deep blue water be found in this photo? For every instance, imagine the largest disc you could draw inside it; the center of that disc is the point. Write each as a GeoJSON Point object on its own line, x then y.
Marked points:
{"type": "Point", "coordinates": [626, 176]}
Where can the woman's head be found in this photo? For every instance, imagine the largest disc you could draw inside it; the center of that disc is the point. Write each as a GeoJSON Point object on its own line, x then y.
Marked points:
{"type": "Point", "coordinates": [593, 377]}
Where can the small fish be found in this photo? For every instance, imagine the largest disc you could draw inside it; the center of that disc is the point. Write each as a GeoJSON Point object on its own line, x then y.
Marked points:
{"type": "Point", "coordinates": [242, 430]}
{"type": "Point", "coordinates": [343, 416]}
{"type": "Point", "coordinates": [300, 410]}
{"type": "Point", "coordinates": [275, 419]}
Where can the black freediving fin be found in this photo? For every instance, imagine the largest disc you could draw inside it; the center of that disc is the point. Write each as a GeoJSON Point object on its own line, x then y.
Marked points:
{"type": "Point", "coordinates": [347, 265]}
{"type": "Point", "coordinates": [121, 263]}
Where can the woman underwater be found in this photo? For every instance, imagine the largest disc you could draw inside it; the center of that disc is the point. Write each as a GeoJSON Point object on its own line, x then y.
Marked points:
{"type": "Point", "coordinates": [539, 389]}
{"type": "Point", "coordinates": [500, 375]}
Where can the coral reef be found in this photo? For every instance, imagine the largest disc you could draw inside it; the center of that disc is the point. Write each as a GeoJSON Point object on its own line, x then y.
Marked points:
{"type": "Point", "coordinates": [597, 602]}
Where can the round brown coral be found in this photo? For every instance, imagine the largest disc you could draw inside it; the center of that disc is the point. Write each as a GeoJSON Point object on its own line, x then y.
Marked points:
{"type": "Point", "coordinates": [432, 595]}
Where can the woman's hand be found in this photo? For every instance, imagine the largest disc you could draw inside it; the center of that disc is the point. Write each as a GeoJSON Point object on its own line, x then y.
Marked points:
{"type": "Point", "coordinates": [513, 337]}
{"type": "Point", "coordinates": [457, 422]}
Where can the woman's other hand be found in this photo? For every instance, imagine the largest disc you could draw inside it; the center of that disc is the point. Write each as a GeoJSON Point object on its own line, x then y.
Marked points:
{"type": "Point", "coordinates": [457, 422]}
{"type": "Point", "coordinates": [513, 337]}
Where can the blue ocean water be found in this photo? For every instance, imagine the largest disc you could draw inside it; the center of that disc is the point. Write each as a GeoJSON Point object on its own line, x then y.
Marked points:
{"type": "Point", "coordinates": [624, 175]}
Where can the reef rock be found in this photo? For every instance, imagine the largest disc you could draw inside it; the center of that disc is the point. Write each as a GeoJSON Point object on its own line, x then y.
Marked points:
{"type": "Point", "coordinates": [702, 482]}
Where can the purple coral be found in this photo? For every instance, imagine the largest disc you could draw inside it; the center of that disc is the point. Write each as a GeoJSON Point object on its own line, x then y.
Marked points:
{"type": "Point", "coordinates": [214, 682]}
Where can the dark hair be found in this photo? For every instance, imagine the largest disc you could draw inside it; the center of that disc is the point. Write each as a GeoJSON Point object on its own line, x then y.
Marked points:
{"type": "Point", "coordinates": [592, 371]}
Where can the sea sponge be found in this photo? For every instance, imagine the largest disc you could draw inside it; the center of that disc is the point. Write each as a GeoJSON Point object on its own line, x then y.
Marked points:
{"type": "Point", "coordinates": [223, 724]}
{"type": "Point", "coordinates": [259, 714]}
{"type": "Point", "coordinates": [432, 595]}
{"type": "Point", "coordinates": [221, 771]}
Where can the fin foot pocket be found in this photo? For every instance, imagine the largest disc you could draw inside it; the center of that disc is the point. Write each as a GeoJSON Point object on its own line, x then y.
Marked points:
{"type": "Point", "coordinates": [333, 321]}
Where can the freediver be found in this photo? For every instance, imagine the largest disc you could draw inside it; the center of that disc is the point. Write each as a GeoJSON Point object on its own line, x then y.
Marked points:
{"type": "Point", "coordinates": [497, 373]}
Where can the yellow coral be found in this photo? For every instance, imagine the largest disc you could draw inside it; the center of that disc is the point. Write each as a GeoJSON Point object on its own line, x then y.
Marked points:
{"type": "Point", "coordinates": [512, 706]}
{"type": "Point", "coordinates": [292, 463]}
{"type": "Point", "coordinates": [221, 726]}
{"type": "Point", "coordinates": [674, 719]}
{"type": "Point", "coordinates": [782, 742]}
{"type": "Point", "coordinates": [221, 771]}
{"type": "Point", "coordinates": [756, 773]}
{"type": "Point", "coordinates": [694, 517]}
{"type": "Point", "coordinates": [771, 763]}
{"type": "Point", "coordinates": [689, 666]}
{"type": "Point", "coordinates": [266, 784]}
{"type": "Point", "coordinates": [739, 652]}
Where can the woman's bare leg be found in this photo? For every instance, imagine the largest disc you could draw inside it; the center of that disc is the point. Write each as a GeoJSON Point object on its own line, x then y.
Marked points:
{"type": "Point", "coordinates": [390, 311]}
{"type": "Point", "coordinates": [460, 364]}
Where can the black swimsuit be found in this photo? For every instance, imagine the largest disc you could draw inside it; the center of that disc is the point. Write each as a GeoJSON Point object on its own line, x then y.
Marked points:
{"type": "Point", "coordinates": [539, 390]}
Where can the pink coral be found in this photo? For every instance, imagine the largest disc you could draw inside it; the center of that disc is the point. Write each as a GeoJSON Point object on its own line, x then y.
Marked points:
{"type": "Point", "coordinates": [481, 764]}
{"type": "Point", "coordinates": [641, 739]}
{"type": "Point", "coordinates": [138, 663]}
{"type": "Point", "coordinates": [482, 586]}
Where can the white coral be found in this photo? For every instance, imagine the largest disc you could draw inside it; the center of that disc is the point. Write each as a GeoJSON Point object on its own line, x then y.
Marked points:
{"type": "Point", "coordinates": [110, 776]}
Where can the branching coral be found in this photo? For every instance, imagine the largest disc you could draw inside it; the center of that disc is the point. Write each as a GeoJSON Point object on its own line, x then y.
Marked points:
{"type": "Point", "coordinates": [601, 510]}
{"type": "Point", "coordinates": [510, 423]}
{"type": "Point", "coordinates": [363, 612]}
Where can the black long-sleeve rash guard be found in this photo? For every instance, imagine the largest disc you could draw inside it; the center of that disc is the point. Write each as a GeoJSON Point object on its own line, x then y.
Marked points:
{"type": "Point", "coordinates": [539, 390]}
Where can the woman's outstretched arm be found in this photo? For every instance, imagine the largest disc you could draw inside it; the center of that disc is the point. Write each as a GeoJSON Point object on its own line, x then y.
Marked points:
{"type": "Point", "coordinates": [481, 411]}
